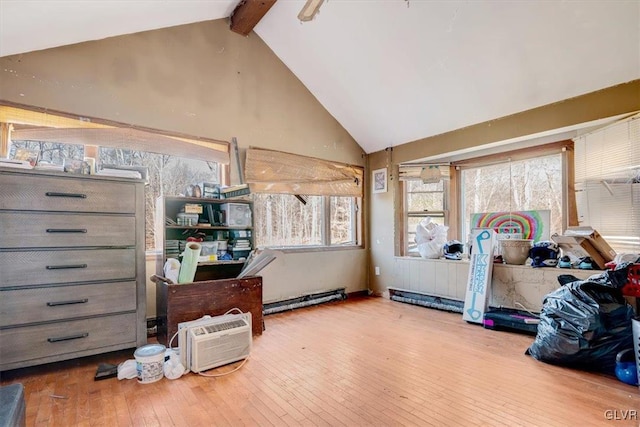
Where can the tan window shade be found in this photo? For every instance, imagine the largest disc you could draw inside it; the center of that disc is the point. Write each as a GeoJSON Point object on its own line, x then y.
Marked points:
{"type": "Point", "coordinates": [417, 172]}
{"type": "Point", "coordinates": [269, 171]}
{"type": "Point", "coordinates": [47, 126]}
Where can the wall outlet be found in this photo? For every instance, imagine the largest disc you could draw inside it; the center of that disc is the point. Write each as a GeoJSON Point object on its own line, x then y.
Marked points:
{"type": "Point", "coordinates": [377, 271]}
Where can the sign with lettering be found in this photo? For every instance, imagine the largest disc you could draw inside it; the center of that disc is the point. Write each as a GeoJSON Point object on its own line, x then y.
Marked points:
{"type": "Point", "coordinates": [483, 241]}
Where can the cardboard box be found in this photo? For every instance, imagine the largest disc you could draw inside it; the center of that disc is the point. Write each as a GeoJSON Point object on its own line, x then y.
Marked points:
{"type": "Point", "coordinates": [578, 247]}
{"type": "Point", "coordinates": [596, 240]}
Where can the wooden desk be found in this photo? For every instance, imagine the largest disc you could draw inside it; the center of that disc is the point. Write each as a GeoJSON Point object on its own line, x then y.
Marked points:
{"type": "Point", "coordinates": [191, 301]}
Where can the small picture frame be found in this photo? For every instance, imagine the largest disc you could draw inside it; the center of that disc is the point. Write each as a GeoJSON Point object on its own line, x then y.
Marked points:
{"type": "Point", "coordinates": [30, 156]}
{"type": "Point", "coordinates": [379, 180]}
{"type": "Point", "coordinates": [77, 166]}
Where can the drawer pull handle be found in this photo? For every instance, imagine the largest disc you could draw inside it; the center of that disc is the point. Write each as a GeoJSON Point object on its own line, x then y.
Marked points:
{"type": "Point", "coordinates": [66, 230]}
{"type": "Point", "coordinates": [75, 301]}
{"type": "Point", "coordinates": [76, 195]}
{"type": "Point", "coordinates": [68, 337]}
{"type": "Point", "coordinates": [62, 267]}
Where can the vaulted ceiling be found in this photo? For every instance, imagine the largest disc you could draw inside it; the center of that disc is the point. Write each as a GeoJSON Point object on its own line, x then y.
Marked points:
{"type": "Point", "coordinates": [390, 71]}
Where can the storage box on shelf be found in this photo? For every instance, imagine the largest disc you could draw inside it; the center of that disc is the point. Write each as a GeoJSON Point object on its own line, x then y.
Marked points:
{"type": "Point", "coordinates": [73, 266]}
{"type": "Point", "coordinates": [578, 242]}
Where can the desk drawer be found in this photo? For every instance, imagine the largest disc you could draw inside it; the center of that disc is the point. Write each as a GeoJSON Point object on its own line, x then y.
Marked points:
{"type": "Point", "coordinates": [23, 268]}
{"type": "Point", "coordinates": [41, 230]}
{"type": "Point", "coordinates": [33, 342]}
{"type": "Point", "coordinates": [22, 306]}
{"type": "Point", "coordinates": [60, 194]}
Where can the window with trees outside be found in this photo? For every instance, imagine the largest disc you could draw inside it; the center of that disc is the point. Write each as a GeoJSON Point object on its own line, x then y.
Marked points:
{"type": "Point", "coordinates": [527, 179]}
{"type": "Point", "coordinates": [285, 220]}
{"type": "Point", "coordinates": [423, 200]}
{"type": "Point", "coordinates": [173, 162]}
{"type": "Point", "coordinates": [529, 184]}
{"type": "Point", "coordinates": [168, 175]}
{"type": "Point", "coordinates": [303, 202]}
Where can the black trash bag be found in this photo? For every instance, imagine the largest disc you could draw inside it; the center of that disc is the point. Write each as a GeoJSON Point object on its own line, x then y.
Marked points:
{"type": "Point", "coordinates": [615, 278]}
{"type": "Point", "coordinates": [583, 325]}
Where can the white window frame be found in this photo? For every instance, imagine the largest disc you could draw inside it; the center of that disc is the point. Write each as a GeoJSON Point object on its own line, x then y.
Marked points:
{"type": "Point", "coordinates": [444, 213]}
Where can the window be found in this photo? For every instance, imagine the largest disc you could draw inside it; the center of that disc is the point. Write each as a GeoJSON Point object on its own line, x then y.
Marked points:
{"type": "Point", "coordinates": [284, 220]}
{"type": "Point", "coordinates": [608, 183]}
{"type": "Point", "coordinates": [343, 220]}
{"type": "Point", "coordinates": [422, 201]}
{"type": "Point", "coordinates": [173, 162]}
{"type": "Point", "coordinates": [302, 202]}
{"type": "Point", "coordinates": [449, 193]}
{"type": "Point", "coordinates": [168, 176]}
{"type": "Point", "coordinates": [50, 152]}
{"type": "Point", "coordinates": [522, 185]}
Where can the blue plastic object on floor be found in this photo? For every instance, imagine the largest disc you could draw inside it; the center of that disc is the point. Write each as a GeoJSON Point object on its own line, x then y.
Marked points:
{"type": "Point", "coordinates": [626, 370]}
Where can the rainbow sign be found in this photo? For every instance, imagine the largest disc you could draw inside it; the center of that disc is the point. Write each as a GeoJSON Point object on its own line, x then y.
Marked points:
{"type": "Point", "coordinates": [532, 224]}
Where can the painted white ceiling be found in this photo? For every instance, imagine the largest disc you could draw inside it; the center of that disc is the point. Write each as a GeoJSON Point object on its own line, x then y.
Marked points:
{"type": "Point", "coordinates": [390, 71]}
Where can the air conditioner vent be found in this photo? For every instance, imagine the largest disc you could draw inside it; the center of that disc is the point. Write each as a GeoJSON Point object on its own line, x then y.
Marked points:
{"type": "Point", "coordinates": [224, 326]}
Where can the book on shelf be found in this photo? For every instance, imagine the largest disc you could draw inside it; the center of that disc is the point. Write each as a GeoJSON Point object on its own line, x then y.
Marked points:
{"type": "Point", "coordinates": [49, 167]}
{"type": "Point", "coordinates": [234, 191]}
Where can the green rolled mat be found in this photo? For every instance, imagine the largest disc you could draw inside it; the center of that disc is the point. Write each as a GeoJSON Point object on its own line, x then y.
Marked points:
{"type": "Point", "coordinates": [189, 262]}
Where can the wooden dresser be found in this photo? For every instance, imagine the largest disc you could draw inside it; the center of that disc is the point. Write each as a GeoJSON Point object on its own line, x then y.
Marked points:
{"type": "Point", "coordinates": [72, 266]}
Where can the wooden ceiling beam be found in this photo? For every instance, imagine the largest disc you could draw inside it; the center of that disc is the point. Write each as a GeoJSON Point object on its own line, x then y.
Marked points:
{"type": "Point", "coordinates": [247, 15]}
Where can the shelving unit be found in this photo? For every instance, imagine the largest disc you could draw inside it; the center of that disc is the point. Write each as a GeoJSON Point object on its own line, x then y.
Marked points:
{"type": "Point", "coordinates": [230, 225]}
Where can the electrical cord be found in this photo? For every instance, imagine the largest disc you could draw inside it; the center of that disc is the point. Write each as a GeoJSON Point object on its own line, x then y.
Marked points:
{"type": "Point", "coordinates": [526, 309]}
{"type": "Point", "coordinates": [201, 373]}
{"type": "Point", "coordinates": [225, 373]}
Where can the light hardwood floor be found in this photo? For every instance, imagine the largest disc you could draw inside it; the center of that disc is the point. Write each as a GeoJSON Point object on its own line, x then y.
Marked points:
{"type": "Point", "coordinates": [363, 361]}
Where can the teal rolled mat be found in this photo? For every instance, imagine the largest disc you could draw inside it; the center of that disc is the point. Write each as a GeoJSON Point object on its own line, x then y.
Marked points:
{"type": "Point", "coordinates": [189, 262]}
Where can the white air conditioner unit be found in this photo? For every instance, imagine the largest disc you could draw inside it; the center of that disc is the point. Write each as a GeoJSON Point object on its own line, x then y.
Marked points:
{"type": "Point", "coordinates": [210, 342]}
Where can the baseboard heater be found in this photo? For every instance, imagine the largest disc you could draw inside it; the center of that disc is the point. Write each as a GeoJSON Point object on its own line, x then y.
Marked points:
{"type": "Point", "coordinates": [424, 300]}
{"type": "Point", "coordinates": [304, 301]}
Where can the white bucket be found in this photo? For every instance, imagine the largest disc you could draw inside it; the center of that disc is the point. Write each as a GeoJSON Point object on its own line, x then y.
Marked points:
{"type": "Point", "coordinates": [150, 363]}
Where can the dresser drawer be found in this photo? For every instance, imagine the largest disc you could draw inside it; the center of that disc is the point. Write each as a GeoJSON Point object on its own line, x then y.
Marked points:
{"type": "Point", "coordinates": [21, 268]}
{"type": "Point", "coordinates": [60, 194]}
{"type": "Point", "coordinates": [41, 230]}
{"type": "Point", "coordinates": [22, 306]}
{"type": "Point", "coordinates": [33, 342]}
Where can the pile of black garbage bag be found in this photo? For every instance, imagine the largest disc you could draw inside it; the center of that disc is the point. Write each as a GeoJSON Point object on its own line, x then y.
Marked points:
{"type": "Point", "coordinates": [585, 323]}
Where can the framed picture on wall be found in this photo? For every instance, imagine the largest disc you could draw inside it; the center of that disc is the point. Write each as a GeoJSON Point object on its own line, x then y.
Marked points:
{"type": "Point", "coordinates": [380, 180]}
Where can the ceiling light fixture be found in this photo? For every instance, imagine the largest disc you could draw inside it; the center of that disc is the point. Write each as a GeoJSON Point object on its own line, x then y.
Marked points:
{"type": "Point", "coordinates": [309, 10]}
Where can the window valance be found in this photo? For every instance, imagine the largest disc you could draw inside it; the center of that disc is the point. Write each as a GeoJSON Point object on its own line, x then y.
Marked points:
{"type": "Point", "coordinates": [269, 171]}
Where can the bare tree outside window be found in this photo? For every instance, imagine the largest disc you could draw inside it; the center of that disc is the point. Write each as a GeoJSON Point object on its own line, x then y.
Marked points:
{"type": "Point", "coordinates": [168, 176]}
{"type": "Point", "coordinates": [532, 184]}
{"type": "Point", "coordinates": [343, 211]}
{"type": "Point", "coordinates": [282, 220]}
{"type": "Point", "coordinates": [50, 152]}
